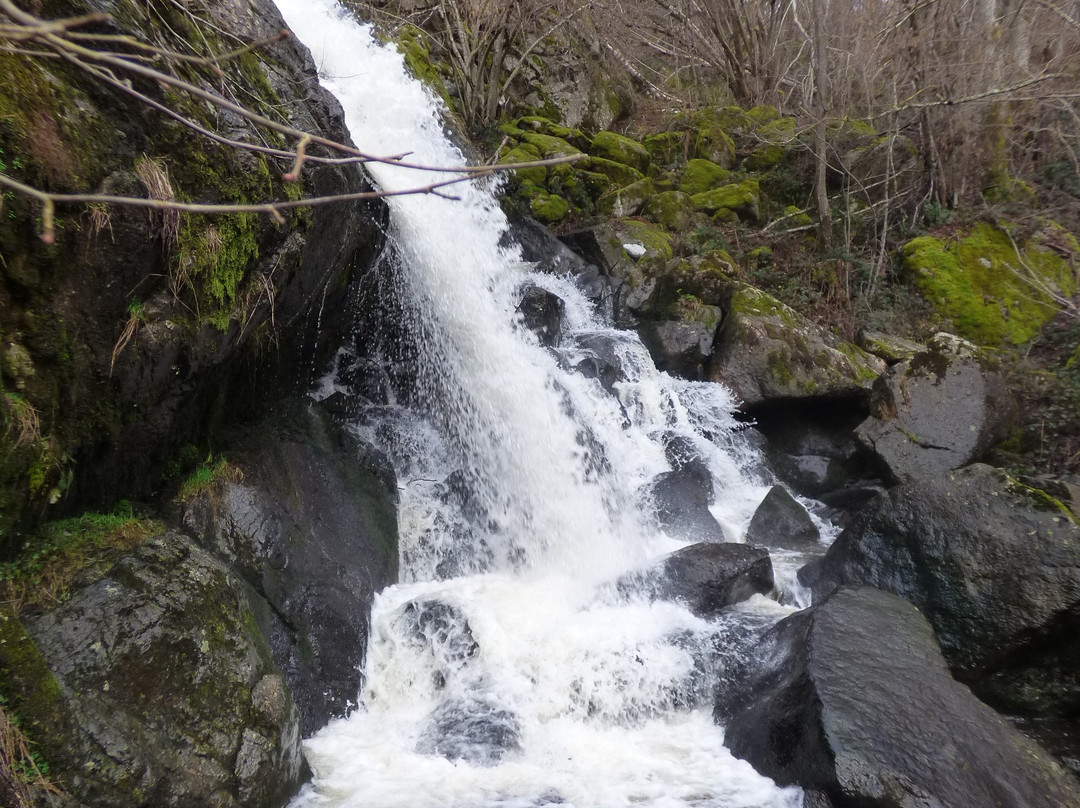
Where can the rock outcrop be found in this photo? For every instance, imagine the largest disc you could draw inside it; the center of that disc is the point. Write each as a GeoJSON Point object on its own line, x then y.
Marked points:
{"type": "Point", "coordinates": [852, 700]}
{"type": "Point", "coordinates": [993, 565]}
{"type": "Point", "coordinates": [938, 411]}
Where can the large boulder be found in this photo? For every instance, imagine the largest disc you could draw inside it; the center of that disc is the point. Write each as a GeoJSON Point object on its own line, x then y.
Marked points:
{"type": "Point", "coordinates": [711, 576]}
{"type": "Point", "coordinates": [938, 411]}
{"type": "Point", "coordinates": [780, 521]}
{"type": "Point", "coordinates": [541, 312]}
{"type": "Point", "coordinates": [313, 528]}
{"type": "Point", "coordinates": [766, 351]}
{"type": "Point", "coordinates": [993, 565]}
{"type": "Point", "coordinates": [681, 499]}
{"type": "Point", "coordinates": [852, 700]}
{"type": "Point", "coordinates": [155, 685]}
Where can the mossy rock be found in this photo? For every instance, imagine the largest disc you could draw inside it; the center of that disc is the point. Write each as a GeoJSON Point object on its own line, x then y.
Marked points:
{"type": "Point", "coordinates": [672, 210]}
{"type": "Point", "coordinates": [888, 347]}
{"type": "Point", "coordinates": [526, 153]}
{"type": "Point", "coordinates": [595, 183]}
{"type": "Point", "coordinates": [412, 44]}
{"type": "Point", "coordinates": [708, 278]}
{"type": "Point", "coordinates": [620, 149]}
{"type": "Point", "coordinates": [657, 243]}
{"type": "Point", "coordinates": [766, 351]}
{"type": "Point", "coordinates": [626, 201]}
{"type": "Point", "coordinates": [666, 148]}
{"type": "Point", "coordinates": [549, 147]}
{"type": "Point", "coordinates": [702, 175]}
{"type": "Point", "coordinates": [762, 115]}
{"type": "Point", "coordinates": [979, 283]}
{"type": "Point", "coordinates": [775, 137]}
{"type": "Point", "coordinates": [548, 208]}
{"type": "Point", "coordinates": [543, 126]}
{"type": "Point", "coordinates": [740, 198]}
{"type": "Point", "coordinates": [797, 217]}
{"type": "Point", "coordinates": [712, 143]}
{"type": "Point", "coordinates": [619, 174]}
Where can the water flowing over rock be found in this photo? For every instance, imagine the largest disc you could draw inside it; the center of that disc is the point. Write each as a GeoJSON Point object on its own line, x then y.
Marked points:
{"type": "Point", "coordinates": [995, 567]}
{"type": "Point", "coordinates": [939, 410]}
{"type": "Point", "coordinates": [853, 701]}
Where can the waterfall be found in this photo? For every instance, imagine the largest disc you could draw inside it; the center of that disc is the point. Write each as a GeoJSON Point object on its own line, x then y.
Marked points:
{"type": "Point", "coordinates": [510, 667]}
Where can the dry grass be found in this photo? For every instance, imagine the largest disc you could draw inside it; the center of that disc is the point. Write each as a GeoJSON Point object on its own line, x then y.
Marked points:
{"type": "Point", "coordinates": [100, 219]}
{"type": "Point", "coordinates": [20, 769]}
{"type": "Point", "coordinates": [136, 317]}
{"type": "Point", "coordinates": [23, 419]}
{"type": "Point", "coordinates": [154, 174]}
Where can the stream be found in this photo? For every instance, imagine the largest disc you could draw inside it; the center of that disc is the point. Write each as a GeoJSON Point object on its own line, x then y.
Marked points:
{"type": "Point", "coordinates": [516, 663]}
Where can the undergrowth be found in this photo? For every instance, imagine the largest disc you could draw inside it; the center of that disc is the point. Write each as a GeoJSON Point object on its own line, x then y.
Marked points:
{"type": "Point", "coordinates": [204, 477]}
{"type": "Point", "coordinates": [67, 551]}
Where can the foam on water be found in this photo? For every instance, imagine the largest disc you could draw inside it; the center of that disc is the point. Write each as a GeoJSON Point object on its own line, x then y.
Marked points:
{"type": "Point", "coordinates": [508, 668]}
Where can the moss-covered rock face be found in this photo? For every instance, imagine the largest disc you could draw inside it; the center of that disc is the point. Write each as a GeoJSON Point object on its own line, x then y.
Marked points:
{"type": "Point", "coordinates": [549, 146]}
{"type": "Point", "coordinates": [670, 209]}
{"type": "Point", "coordinates": [990, 293]}
{"type": "Point", "coordinates": [181, 706]}
{"type": "Point", "coordinates": [700, 176]}
{"type": "Point", "coordinates": [526, 153]}
{"type": "Point", "coordinates": [711, 140]}
{"type": "Point", "coordinates": [115, 330]}
{"type": "Point", "coordinates": [535, 123]}
{"type": "Point", "coordinates": [620, 149]}
{"type": "Point", "coordinates": [737, 199]}
{"type": "Point", "coordinates": [620, 175]}
{"type": "Point", "coordinates": [667, 148]}
{"type": "Point", "coordinates": [413, 44]}
{"type": "Point", "coordinates": [626, 201]}
{"type": "Point", "coordinates": [548, 208]}
{"type": "Point", "coordinates": [774, 136]}
{"type": "Point", "coordinates": [766, 351]}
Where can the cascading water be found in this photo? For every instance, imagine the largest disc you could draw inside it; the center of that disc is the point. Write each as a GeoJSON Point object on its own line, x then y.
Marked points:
{"type": "Point", "coordinates": [509, 668]}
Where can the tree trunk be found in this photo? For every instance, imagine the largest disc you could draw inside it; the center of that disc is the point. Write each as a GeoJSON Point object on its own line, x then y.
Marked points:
{"type": "Point", "coordinates": [820, 188]}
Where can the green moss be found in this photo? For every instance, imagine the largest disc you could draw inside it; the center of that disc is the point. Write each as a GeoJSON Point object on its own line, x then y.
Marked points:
{"type": "Point", "coordinates": [412, 44]}
{"type": "Point", "coordinates": [549, 146]}
{"type": "Point", "coordinates": [594, 183]}
{"type": "Point", "coordinates": [548, 208]}
{"type": "Point", "coordinates": [526, 154]}
{"type": "Point", "coordinates": [796, 217]}
{"type": "Point", "coordinates": [544, 126]}
{"type": "Point", "coordinates": [762, 115]}
{"type": "Point", "coordinates": [977, 282]}
{"type": "Point", "coordinates": [205, 476]}
{"type": "Point", "coordinates": [620, 149]}
{"type": "Point", "coordinates": [657, 243]}
{"type": "Point", "coordinates": [700, 176]}
{"type": "Point", "coordinates": [666, 148]}
{"type": "Point", "coordinates": [670, 209]}
{"type": "Point", "coordinates": [619, 174]}
{"type": "Point", "coordinates": [626, 201]}
{"type": "Point", "coordinates": [775, 137]}
{"type": "Point", "coordinates": [1040, 499]}
{"type": "Point", "coordinates": [741, 198]}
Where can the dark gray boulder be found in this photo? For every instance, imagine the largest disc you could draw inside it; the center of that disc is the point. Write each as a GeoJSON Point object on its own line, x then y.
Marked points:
{"type": "Point", "coordinates": [541, 312]}
{"type": "Point", "coordinates": [682, 347]}
{"type": "Point", "coordinates": [313, 528]}
{"type": "Point", "coordinates": [709, 576]}
{"type": "Point", "coordinates": [473, 728]}
{"type": "Point", "coordinates": [853, 701]}
{"type": "Point", "coordinates": [938, 411]}
{"type": "Point", "coordinates": [780, 521]}
{"type": "Point", "coordinates": [681, 499]}
{"type": "Point", "coordinates": [161, 688]}
{"type": "Point", "coordinates": [993, 565]}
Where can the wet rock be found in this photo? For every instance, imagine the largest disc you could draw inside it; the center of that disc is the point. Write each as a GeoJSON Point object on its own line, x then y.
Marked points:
{"type": "Point", "coordinates": [852, 700]}
{"type": "Point", "coordinates": [994, 566]}
{"type": "Point", "coordinates": [765, 351]}
{"type": "Point", "coordinates": [541, 312]}
{"type": "Point", "coordinates": [938, 411]}
{"type": "Point", "coordinates": [171, 697]}
{"type": "Point", "coordinates": [606, 356]}
{"type": "Point", "coordinates": [780, 521]}
{"type": "Point", "coordinates": [682, 348]}
{"type": "Point", "coordinates": [312, 526]}
{"type": "Point", "coordinates": [681, 499]}
{"type": "Point", "coordinates": [711, 576]}
{"type": "Point", "coordinates": [442, 629]}
{"type": "Point", "coordinates": [473, 728]}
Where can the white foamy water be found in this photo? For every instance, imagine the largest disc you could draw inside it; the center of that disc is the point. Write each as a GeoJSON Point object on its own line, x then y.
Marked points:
{"type": "Point", "coordinates": [509, 668]}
